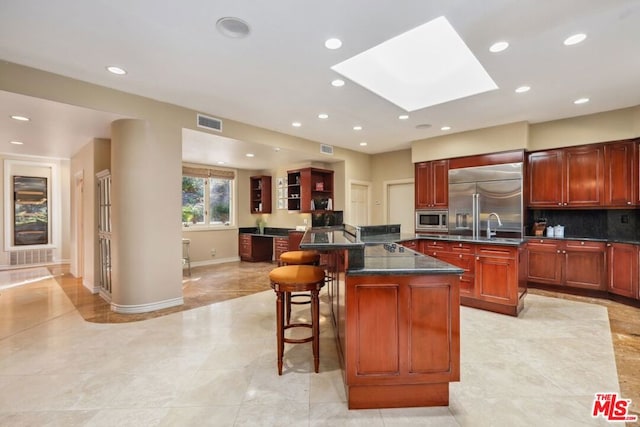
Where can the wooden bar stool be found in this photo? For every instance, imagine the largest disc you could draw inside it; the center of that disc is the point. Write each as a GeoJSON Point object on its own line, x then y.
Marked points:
{"type": "Point", "coordinates": [297, 258]}
{"type": "Point", "coordinates": [297, 278]}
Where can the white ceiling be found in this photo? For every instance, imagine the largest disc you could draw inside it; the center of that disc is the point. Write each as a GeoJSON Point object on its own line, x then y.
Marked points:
{"type": "Point", "coordinates": [281, 72]}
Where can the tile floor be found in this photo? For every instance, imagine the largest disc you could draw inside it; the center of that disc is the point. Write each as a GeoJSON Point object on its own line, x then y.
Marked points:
{"type": "Point", "coordinates": [215, 365]}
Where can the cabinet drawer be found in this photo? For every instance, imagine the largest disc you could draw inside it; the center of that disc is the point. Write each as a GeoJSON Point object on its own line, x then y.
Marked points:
{"type": "Point", "coordinates": [496, 251]}
{"type": "Point", "coordinates": [430, 245]}
{"type": "Point", "coordinates": [465, 248]}
{"type": "Point", "coordinates": [245, 238]}
{"type": "Point", "coordinates": [584, 245]}
{"type": "Point", "coordinates": [282, 243]}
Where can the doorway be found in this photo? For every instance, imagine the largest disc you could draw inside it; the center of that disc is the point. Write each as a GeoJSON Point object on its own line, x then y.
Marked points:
{"type": "Point", "coordinates": [78, 211]}
{"type": "Point", "coordinates": [400, 204]}
{"type": "Point", "coordinates": [359, 202]}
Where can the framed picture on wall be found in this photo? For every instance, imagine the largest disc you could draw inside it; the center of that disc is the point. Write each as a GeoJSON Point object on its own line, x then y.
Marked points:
{"type": "Point", "coordinates": [281, 182]}
{"type": "Point", "coordinates": [30, 211]}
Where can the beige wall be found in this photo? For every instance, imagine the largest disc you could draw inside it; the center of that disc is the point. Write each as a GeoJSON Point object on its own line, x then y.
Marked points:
{"type": "Point", "coordinates": [392, 166]}
{"type": "Point", "coordinates": [606, 126]}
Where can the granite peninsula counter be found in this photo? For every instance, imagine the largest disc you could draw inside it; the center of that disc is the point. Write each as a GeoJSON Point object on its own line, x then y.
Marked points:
{"type": "Point", "coordinates": [396, 317]}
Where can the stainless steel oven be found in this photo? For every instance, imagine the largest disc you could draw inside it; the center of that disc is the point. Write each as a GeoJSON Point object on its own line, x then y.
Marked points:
{"type": "Point", "coordinates": [432, 220]}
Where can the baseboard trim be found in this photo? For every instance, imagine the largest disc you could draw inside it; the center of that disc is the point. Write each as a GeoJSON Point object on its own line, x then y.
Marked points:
{"type": "Point", "coordinates": [214, 261]}
{"type": "Point", "coordinates": [145, 308]}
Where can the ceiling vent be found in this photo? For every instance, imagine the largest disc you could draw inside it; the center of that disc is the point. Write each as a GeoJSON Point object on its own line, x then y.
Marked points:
{"type": "Point", "coordinates": [210, 123]}
{"type": "Point", "coordinates": [326, 149]}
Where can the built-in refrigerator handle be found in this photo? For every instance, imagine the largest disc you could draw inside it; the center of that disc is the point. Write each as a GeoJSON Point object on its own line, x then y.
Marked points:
{"type": "Point", "coordinates": [475, 212]}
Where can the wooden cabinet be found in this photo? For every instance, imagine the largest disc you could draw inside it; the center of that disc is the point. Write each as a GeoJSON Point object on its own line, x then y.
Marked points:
{"type": "Point", "coordinates": [622, 265]}
{"type": "Point", "coordinates": [295, 237]}
{"type": "Point", "coordinates": [280, 246]}
{"type": "Point", "coordinates": [491, 279]}
{"type": "Point", "coordinates": [544, 261]}
{"type": "Point", "coordinates": [402, 340]}
{"type": "Point", "coordinates": [412, 244]}
{"type": "Point", "coordinates": [573, 263]}
{"type": "Point", "coordinates": [570, 177]}
{"type": "Point", "coordinates": [621, 179]}
{"type": "Point", "coordinates": [310, 190]}
{"type": "Point", "coordinates": [545, 178]}
{"type": "Point", "coordinates": [584, 264]}
{"type": "Point", "coordinates": [254, 248]}
{"type": "Point", "coordinates": [260, 199]}
{"type": "Point", "coordinates": [432, 184]}
{"type": "Point", "coordinates": [492, 262]}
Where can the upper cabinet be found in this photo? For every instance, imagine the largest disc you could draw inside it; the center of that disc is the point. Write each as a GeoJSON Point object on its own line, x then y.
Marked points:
{"type": "Point", "coordinates": [432, 184]}
{"type": "Point", "coordinates": [621, 184]}
{"type": "Point", "coordinates": [588, 176]}
{"type": "Point", "coordinates": [310, 190]}
{"type": "Point", "coordinates": [260, 199]}
{"type": "Point", "coordinates": [570, 177]}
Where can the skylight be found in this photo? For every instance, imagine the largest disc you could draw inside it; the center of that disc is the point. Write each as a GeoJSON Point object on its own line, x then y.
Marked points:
{"type": "Point", "coordinates": [425, 66]}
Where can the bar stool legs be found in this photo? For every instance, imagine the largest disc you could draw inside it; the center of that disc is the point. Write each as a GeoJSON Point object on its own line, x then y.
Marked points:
{"type": "Point", "coordinates": [297, 278]}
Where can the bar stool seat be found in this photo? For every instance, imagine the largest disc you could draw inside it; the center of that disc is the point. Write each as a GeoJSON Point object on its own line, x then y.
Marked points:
{"type": "Point", "coordinates": [297, 258]}
{"type": "Point", "coordinates": [297, 278]}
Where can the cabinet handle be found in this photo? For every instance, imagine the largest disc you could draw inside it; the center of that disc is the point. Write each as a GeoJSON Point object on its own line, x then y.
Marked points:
{"type": "Point", "coordinates": [582, 243]}
{"type": "Point", "coordinates": [608, 245]}
{"type": "Point", "coordinates": [559, 203]}
{"type": "Point", "coordinates": [434, 254]}
{"type": "Point", "coordinates": [477, 258]}
{"type": "Point", "coordinates": [564, 252]}
{"type": "Point", "coordinates": [558, 251]}
{"type": "Point", "coordinates": [628, 203]}
{"type": "Point", "coordinates": [460, 277]}
{"type": "Point", "coordinates": [460, 256]}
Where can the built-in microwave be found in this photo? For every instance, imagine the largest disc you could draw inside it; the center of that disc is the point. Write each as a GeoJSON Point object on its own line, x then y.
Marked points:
{"type": "Point", "coordinates": [433, 220]}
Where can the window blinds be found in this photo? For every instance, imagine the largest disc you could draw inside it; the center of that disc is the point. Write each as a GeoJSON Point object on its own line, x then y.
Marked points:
{"type": "Point", "coordinates": [207, 172]}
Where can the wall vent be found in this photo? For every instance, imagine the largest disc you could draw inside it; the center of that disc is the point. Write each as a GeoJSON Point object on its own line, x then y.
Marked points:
{"type": "Point", "coordinates": [326, 149]}
{"type": "Point", "coordinates": [31, 256]}
{"type": "Point", "coordinates": [210, 123]}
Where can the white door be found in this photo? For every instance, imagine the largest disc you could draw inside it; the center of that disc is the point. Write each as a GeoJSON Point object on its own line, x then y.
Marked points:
{"type": "Point", "coordinates": [359, 214]}
{"type": "Point", "coordinates": [400, 202]}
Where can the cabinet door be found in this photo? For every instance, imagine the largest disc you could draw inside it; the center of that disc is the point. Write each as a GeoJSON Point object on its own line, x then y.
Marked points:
{"type": "Point", "coordinates": [544, 262]}
{"type": "Point", "coordinates": [423, 185]}
{"type": "Point", "coordinates": [411, 244]}
{"type": "Point", "coordinates": [545, 178]}
{"type": "Point", "coordinates": [623, 269]}
{"type": "Point", "coordinates": [467, 263]}
{"type": "Point", "coordinates": [584, 264]}
{"type": "Point", "coordinates": [496, 275]}
{"type": "Point", "coordinates": [244, 246]}
{"type": "Point", "coordinates": [619, 174]}
{"type": "Point", "coordinates": [440, 183]}
{"type": "Point", "coordinates": [584, 176]}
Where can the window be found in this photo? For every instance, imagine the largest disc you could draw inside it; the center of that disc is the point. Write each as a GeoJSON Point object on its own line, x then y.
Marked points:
{"type": "Point", "coordinates": [207, 197]}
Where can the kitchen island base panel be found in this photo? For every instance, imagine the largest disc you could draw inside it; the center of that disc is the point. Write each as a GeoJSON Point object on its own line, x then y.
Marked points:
{"type": "Point", "coordinates": [510, 310]}
{"type": "Point", "coordinates": [397, 396]}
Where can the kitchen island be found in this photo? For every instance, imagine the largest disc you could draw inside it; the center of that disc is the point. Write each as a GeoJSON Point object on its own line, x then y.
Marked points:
{"type": "Point", "coordinates": [396, 317]}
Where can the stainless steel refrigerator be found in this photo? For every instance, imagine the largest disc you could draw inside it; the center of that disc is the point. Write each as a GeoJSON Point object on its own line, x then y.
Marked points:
{"type": "Point", "coordinates": [477, 192]}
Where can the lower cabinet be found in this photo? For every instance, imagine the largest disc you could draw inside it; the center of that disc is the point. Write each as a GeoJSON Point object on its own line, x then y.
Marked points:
{"type": "Point", "coordinates": [254, 248]}
{"type": "Point", "coordinates": [491, 278]}
{"type": "Point", "coordinates": [280, 246]}
{"type": "Point", "coordinates": [572, 263]}
{"type": "Point", "coordinates": [622, 275]}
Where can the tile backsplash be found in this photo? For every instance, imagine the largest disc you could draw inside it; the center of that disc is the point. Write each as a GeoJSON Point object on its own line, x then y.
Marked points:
{"type": "Point", "coordinates": [592, 223]}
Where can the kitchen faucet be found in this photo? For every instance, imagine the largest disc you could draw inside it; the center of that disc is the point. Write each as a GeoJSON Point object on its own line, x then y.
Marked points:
{"type": "Point", "coordinates": [489, 232]}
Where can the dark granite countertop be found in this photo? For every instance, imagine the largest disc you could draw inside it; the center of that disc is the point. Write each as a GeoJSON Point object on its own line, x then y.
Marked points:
{"type": "Point", "coordinates": [376, 255]}
{"type": "Point", "coordinates": [395, 259]}
{"type": "Point", "coordinates": [505, 241]}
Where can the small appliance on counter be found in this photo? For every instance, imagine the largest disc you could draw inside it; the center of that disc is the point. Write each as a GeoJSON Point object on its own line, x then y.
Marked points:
{"type": "Point", "coordinates": [539, 226]}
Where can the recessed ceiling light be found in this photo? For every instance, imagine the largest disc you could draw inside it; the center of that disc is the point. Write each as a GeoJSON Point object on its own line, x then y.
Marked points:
{"type": "Point", "coordinates": [116, 70]}
{"type": "Point", "coordinates": [21, 118]}
{"type": "Point", "coordinates": [425, 66]}
{"type": "Point", "coordinates": [16, 142]}
{"type": "Point", "coordinates": [357, 128]}
{"type": "Point", "coordinates": [250, 155]}
{"type": "Point", "coordinates": [337, 83]}
{"type": "Point", "coordinates": [575, 39]}
{"type": "Point", "coordinates": [276, 149]}
{"type": "Point", "coordinates": [445, 128]}
{"type": "Point", "coordinates": [523, 89]}
{"type": "Point", "coordinates": [323, 116]}
{"type": "Point", "coordinates": [499, 46]}
{"type": "Point", "coordinates": [221, 163]}
{"type": "Point", "coordinates": [234, 28]}
{"type": "Point", "coordinates": [296, 124]}
{"type": "Point", "coordinates": [333, 44]}
{"type": "Point", "coordinates": [363, 144]}
{"type": "Point", "coordinates": [403, 116]}
{"type": "Point", "coordinates": [581, 101]}
{"type": "Point", "coordinates": [423, 126]}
